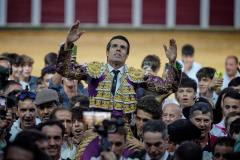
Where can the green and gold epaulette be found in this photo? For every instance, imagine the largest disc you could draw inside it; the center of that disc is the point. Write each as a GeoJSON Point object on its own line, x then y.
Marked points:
{"type": "Point", "coordinates": [95, 69]}
{"type": "Point", "coordinates": [135, 75]}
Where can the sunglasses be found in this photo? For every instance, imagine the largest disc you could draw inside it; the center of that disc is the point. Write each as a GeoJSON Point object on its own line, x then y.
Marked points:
{"type": "Point", "coordinates": [117, 144]}
{"type": "Point", "coordinates": [26, 94]}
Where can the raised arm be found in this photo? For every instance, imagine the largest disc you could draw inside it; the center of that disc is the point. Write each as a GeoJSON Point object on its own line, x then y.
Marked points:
{"type": "Point", "coordinates": [172, 73]}
{"type": "Point", "coordinates": [65, 67]}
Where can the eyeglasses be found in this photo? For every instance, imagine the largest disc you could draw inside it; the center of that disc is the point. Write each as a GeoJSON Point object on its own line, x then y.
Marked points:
{"type": "Point", "coordinates": [26, 94]}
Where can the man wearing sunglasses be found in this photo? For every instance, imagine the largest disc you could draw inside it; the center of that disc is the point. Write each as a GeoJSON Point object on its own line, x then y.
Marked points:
{"type": "Point", "coordinates": [155, 142]}
{"type": "Point", "coordinates": [26, 112]}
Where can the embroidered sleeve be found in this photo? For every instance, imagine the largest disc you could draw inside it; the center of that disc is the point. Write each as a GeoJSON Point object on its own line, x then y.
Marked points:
{"type": "Point", "coordinates": [69, 69]}
{"type": "Point", "coordinates": [169, 82]}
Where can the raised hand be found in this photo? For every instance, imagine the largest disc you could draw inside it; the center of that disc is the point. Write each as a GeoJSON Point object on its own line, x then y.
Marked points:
{"type": "Point", "coordinates": [171, 52]}
{"type": "Point", "coordinates": [74, 33]}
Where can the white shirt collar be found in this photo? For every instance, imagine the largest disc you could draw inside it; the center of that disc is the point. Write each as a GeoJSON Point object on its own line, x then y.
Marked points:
{"type": "Point", "coordinates": [121, 69]}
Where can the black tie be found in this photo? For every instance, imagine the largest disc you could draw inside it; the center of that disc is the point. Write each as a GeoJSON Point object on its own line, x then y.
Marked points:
{"type": "Point", "coordinates": [114, 81]}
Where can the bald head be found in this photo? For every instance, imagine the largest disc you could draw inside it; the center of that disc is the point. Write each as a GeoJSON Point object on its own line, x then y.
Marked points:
{"type": "Point", "coordinates": [171, 113]}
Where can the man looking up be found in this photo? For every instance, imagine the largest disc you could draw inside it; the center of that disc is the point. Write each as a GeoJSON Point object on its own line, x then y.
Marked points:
{"type": "Point", "coordinates": [112, 85]}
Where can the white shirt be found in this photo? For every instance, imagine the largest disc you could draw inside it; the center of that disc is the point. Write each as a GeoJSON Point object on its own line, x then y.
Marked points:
{"type": "Point", "coordinates": [121, 69]}
{"type": "Point", "coordinates": [217, 129]}
{"type": "Point", "coordinates": [15, 128]}
{"type": "Point", "coordinates": [226, 80]}
{"type": "Point", "coordinates": [68, 151]}
{"type": "Point", "coordinates": [164, 157]}
{"type": "Point", "coordinates": [193, 71]}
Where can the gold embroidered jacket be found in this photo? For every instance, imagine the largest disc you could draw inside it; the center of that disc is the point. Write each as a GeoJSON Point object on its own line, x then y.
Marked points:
{"type": "Point", "coordinates": [99, 82]}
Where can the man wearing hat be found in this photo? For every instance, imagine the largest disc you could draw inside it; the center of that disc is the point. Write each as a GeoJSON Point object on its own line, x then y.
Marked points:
{"type": "Point", "coordinates": [46, 101]}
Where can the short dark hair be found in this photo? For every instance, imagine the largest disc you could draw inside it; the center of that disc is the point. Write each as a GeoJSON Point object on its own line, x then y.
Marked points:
{"type": "Point", "coordinates": [220, 97]}
{"type": "Point", "coordinates": [83, 100]}
{"type": "Point", "coordinates": [52, 123]}
{"type": "Point", "coordinates": [179, 131]}
{"type": "Point", "coordinates": [150, 105]}
{"type": "Point", "coordinates": [121, 130]}
{"type": "Point", "coordinates": [229, 115]}
{"type": "Point", "coordinates": [155, 126]}
{"type": "Point", "coordinates": [48, 70]}
{"type": "Point", "coordinates": [5, 58]}
{"type": "Point", "coordinates": [14, 58]}
{"type": "Point", "coordinates": [152, 61]}
{"type": "Point", "coordinates": [234, 82]}
{"type": "Point", "coordinates": [119, 37]}
{"type": "Point", "coordinates": [235, 126]}
{"type": "Point", "coordinates": [224, 141]}
{"type": "Point", "coordinates": [188, 151]}
{"type": "Point", "coordinates": [31, 135]}
{"type": "Point", "coordinates": [50, 59]}
{"type": "Point", "coordinates": [77, 113]}
{"type": "Point", "coordinates": [232, 94]}
{"type": "Point", "coordinates": [206, 72]}
{"type": "Point", "coordinates": [188, 50]}
{"type": "Point", "coordinates": [188, 83]}
{"type": "Point", "coordinates": [30, 147]}
{"type": "Point", "coordinates": [203, 107]}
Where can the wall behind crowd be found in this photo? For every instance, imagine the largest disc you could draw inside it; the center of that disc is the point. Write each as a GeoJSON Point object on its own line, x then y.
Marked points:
{"type": "Point", "coordinates": [189, 14]}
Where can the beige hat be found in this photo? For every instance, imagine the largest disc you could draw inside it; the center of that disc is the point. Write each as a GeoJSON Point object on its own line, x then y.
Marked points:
{"type": "Point", "coordinates": [46, 95]}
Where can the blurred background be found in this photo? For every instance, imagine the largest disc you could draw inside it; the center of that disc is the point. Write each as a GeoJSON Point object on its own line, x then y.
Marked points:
{"type": "Point", "coordinates": [37, 27]}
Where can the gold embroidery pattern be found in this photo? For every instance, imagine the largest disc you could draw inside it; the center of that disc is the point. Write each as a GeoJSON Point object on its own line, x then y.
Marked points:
{"type": "Point", "coordinates": [135, 75]}
{"type": "Point", "coordinates": [89, 137]}
{"type": "Point", "coordinates": [123, 100]}
{"type": "Point", "coordinates": [95, 69]}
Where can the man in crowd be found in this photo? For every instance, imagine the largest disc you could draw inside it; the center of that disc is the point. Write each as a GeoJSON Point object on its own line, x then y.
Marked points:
{"type": "Point", "coordinates": [64, 115]}
{"type": "Point", "coordinates": [108, 84]}
{"type": "Point", "coordinates": [201, 115]}
{"type": "Point", "coordinates": [231, 70]}
{"type": "Point", "coordinates": [148, 108]}
{"type": "Point", "coordinates": [118, 142]}
{"type": "Point", "coordinates": [27, 113]}
{"type": "Point", "coordinates": [67, 88]}
{"type": "Point", "coordinates": [231, 102]}
{"type": "Point", "coordinates": [55, 132]}
{"type": "Point", "coordinates": [190, 67]}
{"type": "Point", "coordinates": [155, 142]}
{"type": "Point", "coordinates": [186, 93]}
{"type": "Point", "coordinates": [27, 79]}
{"type": "Point", "coordinates": [171, 112]}
{"type": "Point", "coordinates": [205, 78]}
{"type": "Point", "coordinates": [79, 126]}
{"type": "Point", "coordinates": [16, 62]}
{"type": "Point", "coordinates": [46, 101]}
{"type": "Point", "coordinates": [188, 151]}
{"type": "Point", "coordinates": [222, 146]}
